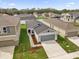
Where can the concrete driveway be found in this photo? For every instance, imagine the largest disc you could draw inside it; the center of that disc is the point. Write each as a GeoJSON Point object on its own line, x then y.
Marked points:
{"type": "Point", "coordinates": [68, 56]}
{"type": "Point", "coordinates": [6, 52]}
{"type": "Point", "coordinates": [75, 40]}
{"type": "Point", "coordinates": [53, 49]}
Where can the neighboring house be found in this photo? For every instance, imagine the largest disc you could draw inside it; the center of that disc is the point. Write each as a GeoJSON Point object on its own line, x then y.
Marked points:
{"type": "Point", "coordinates": [62, 27]}
{"type": "Point", "coordinates": [35, 14]}
{"type": "Point", "coordinates": [41, 31]}
{"type": "Point", "coordinates": [77, 20]}
{"type": "Point", "coordinates": [9, 30]}
{"type": "Point", "coordinates": [69, 17]}
{"type": "Point", "coordinates": [45, 15]}
{"type": "Point", "coordinates": [26, 17]}
{"type": "Point", "coordinates": [53, 15]}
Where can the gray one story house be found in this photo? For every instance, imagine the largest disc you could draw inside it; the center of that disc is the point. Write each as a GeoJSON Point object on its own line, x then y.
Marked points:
{"type": "Point", "coordinates": [9, 30]}
{"type": "Point", "coordinates": [26, 17]}
{"type": "Point", "coordinates": [41, 31]}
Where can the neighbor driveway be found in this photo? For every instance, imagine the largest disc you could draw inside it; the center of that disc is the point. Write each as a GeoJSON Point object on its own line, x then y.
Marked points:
{"type": "Point", "coordinates": [6, 52]}
{"type": "Point", "coordinates": [53, 49]}
{"type": "Point", "coordinates": [74, 39]}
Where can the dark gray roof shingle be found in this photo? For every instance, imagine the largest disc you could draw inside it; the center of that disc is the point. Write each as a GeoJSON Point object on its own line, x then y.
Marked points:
{"type": "Point", "coordinates": [38, 26]}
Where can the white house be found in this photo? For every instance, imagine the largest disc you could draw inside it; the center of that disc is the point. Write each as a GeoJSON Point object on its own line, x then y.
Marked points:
{"type": "Point", "coordinates": [69, 17]}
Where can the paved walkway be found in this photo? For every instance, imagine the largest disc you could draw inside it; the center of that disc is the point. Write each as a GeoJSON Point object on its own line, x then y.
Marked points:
{"type": "Point", "coordinates": [32, 43]}
{"type": "Point", "coordinates": [53, 49]}
{"type": "Point", "coordinates": [75, 40]}
{"type": "Point", "coordinates": [6, 52]}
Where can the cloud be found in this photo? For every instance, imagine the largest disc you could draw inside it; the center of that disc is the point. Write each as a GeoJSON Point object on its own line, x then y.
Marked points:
{"type": "Point", "coordinates": [12, 4]}
{"type": "Point", "coordinates": [70, 4]}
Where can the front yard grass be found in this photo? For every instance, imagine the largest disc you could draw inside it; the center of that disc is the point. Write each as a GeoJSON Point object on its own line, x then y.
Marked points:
{"type": "Point", "coordinates": [40, 17]}
{"type": "Point", "coordinates": [76, 58]}
{"type": "Point", "coordinates": [24, 51]}
{"type": "Point", "coordinates": [67, 45]}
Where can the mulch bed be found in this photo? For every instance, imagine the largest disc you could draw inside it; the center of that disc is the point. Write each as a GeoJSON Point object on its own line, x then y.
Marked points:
{"type": "Point", "coordinates": [34, 40]}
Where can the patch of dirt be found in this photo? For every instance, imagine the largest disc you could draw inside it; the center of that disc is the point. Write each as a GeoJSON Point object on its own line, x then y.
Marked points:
{"type": "Point", "coordinates": [32, 50]}
{"type": "Point", "coordinates": [34, 40]}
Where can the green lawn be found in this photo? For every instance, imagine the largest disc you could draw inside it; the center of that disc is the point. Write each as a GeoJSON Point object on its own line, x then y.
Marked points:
{"type": "Point", "coordinates": [24, 51]}
{"type": "Point", "coordinates": [67, 45]}
{"type": "Point", "coordinates": [40, 17]}
{"type": "Point", "coordinates": [76, 58]}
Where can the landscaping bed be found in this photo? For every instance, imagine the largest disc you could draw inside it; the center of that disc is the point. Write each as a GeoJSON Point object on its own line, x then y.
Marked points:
{"type": "Point", "coordinates": [67, 45]}
{"type": "Point", "coordinates": [24, 51]}
{"type": "Point", "coordinates": [35, 40]}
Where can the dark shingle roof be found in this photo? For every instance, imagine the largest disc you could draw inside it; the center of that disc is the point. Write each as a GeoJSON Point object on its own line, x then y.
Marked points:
{"type": "Point", "coordinates": [38, 26]}
{"type": "Point", "coordinates": [27, 17]}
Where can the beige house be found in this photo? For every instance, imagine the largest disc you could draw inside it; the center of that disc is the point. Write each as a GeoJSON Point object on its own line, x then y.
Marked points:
{"type": "Point", "coordinates": [53, 15]}
{"type": "Point", "coordinates": [69, 17]}
{"type": "Point", "coordinates": [64, 25]}
{"type": "Point", "coordinates": [9, 30]}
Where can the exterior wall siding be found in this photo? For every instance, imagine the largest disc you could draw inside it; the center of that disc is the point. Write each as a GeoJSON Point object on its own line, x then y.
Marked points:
{"type": "Point", "coordinates": [9, 37]}
{"type": "Point", "coordinates": [12, 30]}
{"type": "Point", "coordinates": [8, 43]}
{"type": "Point", "coordinates": [37, 37]}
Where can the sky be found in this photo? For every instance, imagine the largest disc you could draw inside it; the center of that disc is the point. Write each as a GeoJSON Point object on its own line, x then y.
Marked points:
{"type": "Point", "coordinates": [23, 4]}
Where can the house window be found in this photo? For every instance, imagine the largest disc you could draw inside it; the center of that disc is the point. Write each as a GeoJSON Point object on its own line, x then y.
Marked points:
{"type": "Point", "coordinates": [6, 30]}
{"type": "Point", "coordinates": [29, 31]}
{"type": "Point", "coordinates": [68, 19]}
{"type": "Point", "coordinates": [32, 31]}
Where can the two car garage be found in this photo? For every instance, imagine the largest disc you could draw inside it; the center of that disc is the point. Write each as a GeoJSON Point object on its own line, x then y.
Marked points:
{"type": "Point", "coordinates": [47, 37]}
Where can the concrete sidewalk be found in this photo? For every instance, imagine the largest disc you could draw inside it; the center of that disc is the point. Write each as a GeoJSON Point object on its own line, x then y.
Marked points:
{"type": "Point", "coordinates": [68, 56]}
{"type": "Point", "coordinates": [53, 49]}
{"type": "Point", "coordinates": [6, 52]}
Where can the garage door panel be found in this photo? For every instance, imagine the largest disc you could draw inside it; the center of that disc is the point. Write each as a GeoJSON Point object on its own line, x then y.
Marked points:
{"type": "Point", "coordinates": [47, 37]}
{"type": "Point", "coordinates": [72, 33]}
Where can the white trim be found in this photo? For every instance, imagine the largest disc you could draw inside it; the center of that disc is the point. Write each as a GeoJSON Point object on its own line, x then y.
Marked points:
{"type": "Point", "coordinates": [49, 33]}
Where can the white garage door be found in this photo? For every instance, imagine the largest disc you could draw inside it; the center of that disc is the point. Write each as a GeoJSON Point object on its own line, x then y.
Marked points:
{"type": "Point", "coordinates": [47, 37]}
